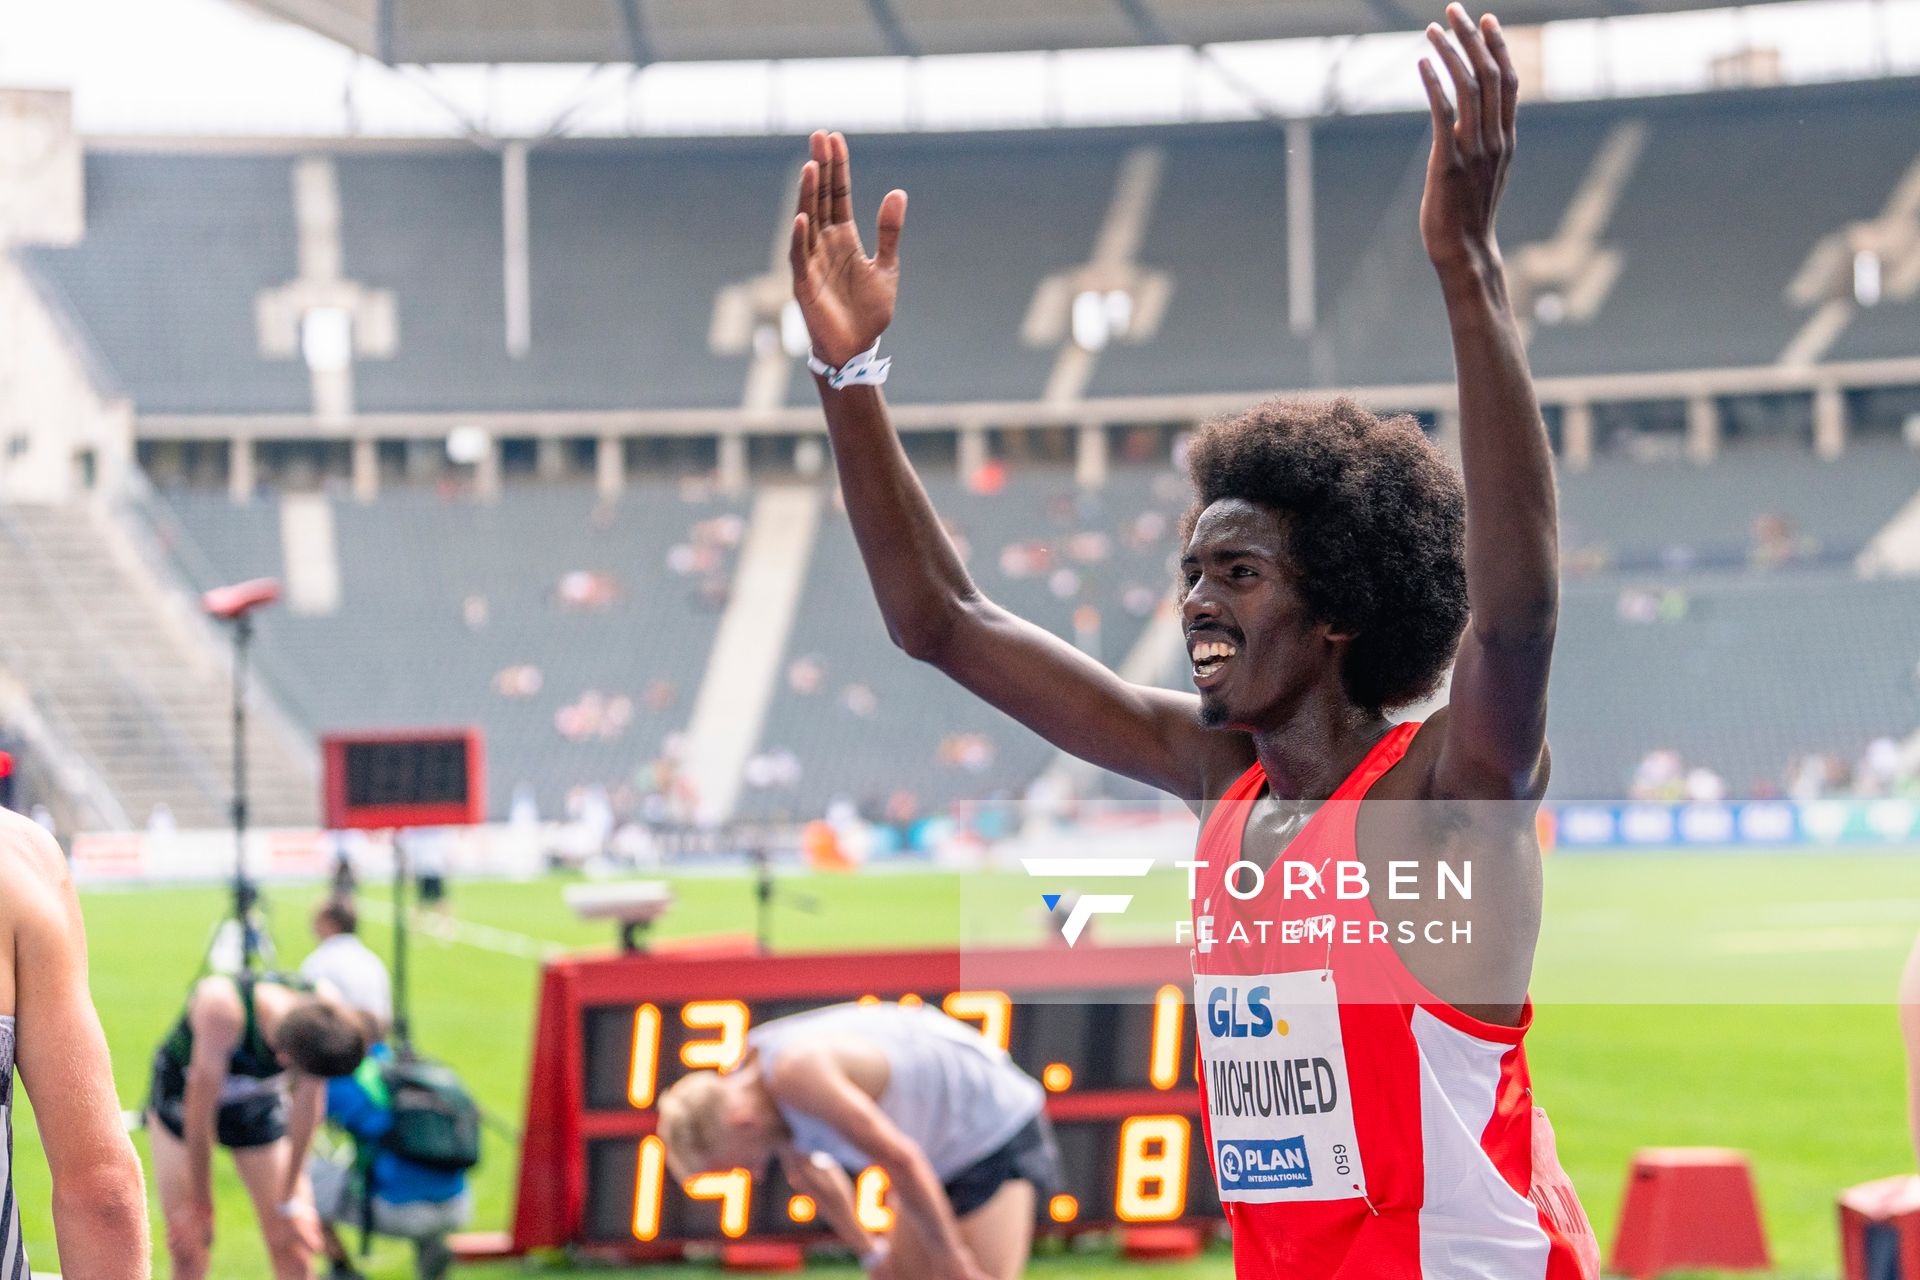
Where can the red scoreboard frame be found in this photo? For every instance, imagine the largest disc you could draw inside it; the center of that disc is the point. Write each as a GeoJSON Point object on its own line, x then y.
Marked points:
{"type": "Point", "coordinates": [342, 812]}
{"type": "Point", "coordinates": [612, 1031]}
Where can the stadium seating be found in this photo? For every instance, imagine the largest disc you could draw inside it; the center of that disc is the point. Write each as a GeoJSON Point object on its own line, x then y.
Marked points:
{"type": "Point", "coordinates": [1679, 624]}
{"type": "Point", "coordinates": [1717, 220]}
{"type": "Point", "coordinates": [923, 734]}
{"type": "Point", "coordinates": [1741, 674]}
{"type": "Point", "coordinates": [445, 604]}
{"type": "Point", "coordinates": [631, 242]}
{"type": "Point", "coordinates": [400, 650]}
{"type": "Point", "coordinates": [177, 247]}
{"type": "Point", "coordinates": [629, 248]}
{"type": "Point", "coordinates": [1622, 514]}
{"type": "Point", "coordinates": [132, 691]}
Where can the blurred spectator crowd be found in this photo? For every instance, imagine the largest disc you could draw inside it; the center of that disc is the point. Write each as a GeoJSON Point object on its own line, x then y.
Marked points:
{"type": "Point", "coordinates": [1887, 766]}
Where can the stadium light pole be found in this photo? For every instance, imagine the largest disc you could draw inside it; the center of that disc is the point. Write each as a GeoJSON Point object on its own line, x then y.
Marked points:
{"type": "Point", "coordinates": [402, 1020]}
{"type": "Point", "coordinates": [235, 604]}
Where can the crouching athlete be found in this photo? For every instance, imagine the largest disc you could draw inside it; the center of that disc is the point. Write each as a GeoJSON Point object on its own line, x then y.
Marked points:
{"type": "Point", "coordinates": [958, 1128]}
{"type": "Point", "coordinates": [246, 1066]}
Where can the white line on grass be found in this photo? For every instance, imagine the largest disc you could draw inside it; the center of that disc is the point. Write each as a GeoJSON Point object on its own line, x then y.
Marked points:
{"type": "Point", "coordinates": [1856, 911]}
{"type": "Point", "coordinates": [504, 942]}
{"type": "Point", "coordinates": [1840, 938]}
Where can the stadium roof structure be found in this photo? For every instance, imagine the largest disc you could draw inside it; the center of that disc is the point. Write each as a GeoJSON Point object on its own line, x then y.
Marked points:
{"type": "Point", "coordinates": [645, 31]}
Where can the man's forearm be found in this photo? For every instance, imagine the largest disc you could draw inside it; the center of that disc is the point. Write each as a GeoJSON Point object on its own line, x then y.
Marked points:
{"type": "Point", "coordinates": [1512, 535]}
{"type": "Point", "coordinates": [307, 1108]}
{"type": "Point", "coordinates": [922, 1196]}
{"type": "Point", "coordinates": [833, 1196]}
{"type": "Point", "coordinates": [100, 1225]}
{"type": "Point", "coordinates": [917, 576]}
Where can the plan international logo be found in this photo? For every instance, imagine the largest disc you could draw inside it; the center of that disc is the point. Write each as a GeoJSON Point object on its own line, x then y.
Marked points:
{"type": "Point", "coordinates": [1262, 1164]}
{"type": "Point", "coordinates": [1087, 905]}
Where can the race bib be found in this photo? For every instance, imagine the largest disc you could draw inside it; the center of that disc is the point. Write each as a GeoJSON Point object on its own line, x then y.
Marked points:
{"type": "Point", "coordinates": [1277, 1098]}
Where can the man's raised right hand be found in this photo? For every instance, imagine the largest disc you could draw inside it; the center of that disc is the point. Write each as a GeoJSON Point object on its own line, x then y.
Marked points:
{"type": "Point", "coordinates": [845, 296]}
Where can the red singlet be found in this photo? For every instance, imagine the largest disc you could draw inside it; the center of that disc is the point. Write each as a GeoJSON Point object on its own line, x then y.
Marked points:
{"type": "Point", "coordinates": [1360, 1128]}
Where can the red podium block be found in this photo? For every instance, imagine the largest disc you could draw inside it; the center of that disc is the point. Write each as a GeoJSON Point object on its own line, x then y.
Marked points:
{"type": "Point", "coordinates": [1689, 1207]}
{"type": "Point", "coordinates": [1880, 1230]}
{"type": "Point", "coordinates": [1161, 1243]}
{"type": "Point", "coordinates": [771, 1256]}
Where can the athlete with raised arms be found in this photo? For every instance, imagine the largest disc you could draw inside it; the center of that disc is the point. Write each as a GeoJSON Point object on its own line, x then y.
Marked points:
{"type": "Point", "coordinates": [1370, 1108]}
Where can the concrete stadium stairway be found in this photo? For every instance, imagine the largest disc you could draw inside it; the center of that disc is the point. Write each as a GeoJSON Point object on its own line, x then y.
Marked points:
{"type": "Point", "coordinates": [128, 682]}
{"type": "Point", "coordinates": [743, 669]}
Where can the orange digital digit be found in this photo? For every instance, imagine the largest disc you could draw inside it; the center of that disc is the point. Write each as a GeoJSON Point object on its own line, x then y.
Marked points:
{"type": "Point", "coordinates": [993, 1010]}
{"type": "Point", "coordinates": [649, 1180]}
{"type": "Point", "coordinates": [728, 1020]}
{"type": "Point", "coordinates": [1169, 1020]}
{"type": "Point", "coordinates": [911, 1000]}
{"type": "Point", "coordinates": [1152, 1183]}
{"type": "Point", "coordinates": [643, 1072]}
{"type": "Point", "coordinates": [733, 1189]}
{"type": "Point", "coordinates": [870, 1200]}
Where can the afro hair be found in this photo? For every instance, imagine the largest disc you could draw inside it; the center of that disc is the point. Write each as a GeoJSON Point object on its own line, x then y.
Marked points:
{"type": "Point", "coordinates": [1375, 527]}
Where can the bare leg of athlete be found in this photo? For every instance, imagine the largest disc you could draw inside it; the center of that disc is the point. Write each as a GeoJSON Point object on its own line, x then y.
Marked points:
{"type": "Point", "coordinates": [264, 1170]}
{"type": "Point", "coordinates": [173, 1179]}
{"type": "Point", "coordinates": [999, 1234]}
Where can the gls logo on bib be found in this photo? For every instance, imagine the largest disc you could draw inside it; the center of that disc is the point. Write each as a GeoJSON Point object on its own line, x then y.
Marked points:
{"type": "Point", "coordinates": [1228, 1016]}
{"type": "Point", "coordinates": [1263, 1164]}
{"type": "Point", "coordinates": [1275, 1070]}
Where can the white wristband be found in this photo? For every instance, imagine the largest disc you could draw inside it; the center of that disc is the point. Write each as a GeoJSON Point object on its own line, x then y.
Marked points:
{"type": "Point", "coordinates": [868, 369]}
{"type": "Point", "coordinates": [875, 1256]}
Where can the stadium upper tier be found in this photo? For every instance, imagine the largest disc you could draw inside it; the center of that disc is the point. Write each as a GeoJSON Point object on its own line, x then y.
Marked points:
{"type": "Point", "coordinates": [1644, 236]}
{"type": "Point", "coordinates": [642, 31]}
{"type": "Point", "coordinates": [1758, 504]}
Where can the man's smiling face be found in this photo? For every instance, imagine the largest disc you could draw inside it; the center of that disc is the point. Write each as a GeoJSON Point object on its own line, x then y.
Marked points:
{"type": "Point", "coordinates": [1252, 642]}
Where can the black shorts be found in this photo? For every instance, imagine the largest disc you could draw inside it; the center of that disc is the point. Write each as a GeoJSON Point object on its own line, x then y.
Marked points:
{"type": "Point", "coordinates": [1028, 1156]}
{"type": "Point", "coordinates": [248, 1122]}
{"type": "Point", "coordinates": [433, 889]}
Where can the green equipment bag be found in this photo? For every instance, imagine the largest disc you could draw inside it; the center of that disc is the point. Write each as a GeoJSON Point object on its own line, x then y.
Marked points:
{"type": "Point", "coordinates": [436, 1122]}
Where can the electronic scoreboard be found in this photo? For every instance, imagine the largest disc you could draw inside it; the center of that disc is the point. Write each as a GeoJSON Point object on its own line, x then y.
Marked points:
{"type": "Point", "coordinates": [403, 778]}
{"type": "Point", "coordinates": [1108, 1032]}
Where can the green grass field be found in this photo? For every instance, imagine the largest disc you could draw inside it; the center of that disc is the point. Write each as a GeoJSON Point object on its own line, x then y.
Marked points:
{"type": "Point", "coordinates": [1698, 999]}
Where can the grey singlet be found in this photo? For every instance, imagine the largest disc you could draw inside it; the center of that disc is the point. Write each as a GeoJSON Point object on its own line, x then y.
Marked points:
{"type": "Point", "coordinates": [13, 1245]}
{"type": "Point", "coordinates": [957, 1096]}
